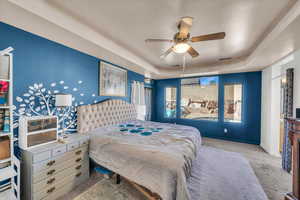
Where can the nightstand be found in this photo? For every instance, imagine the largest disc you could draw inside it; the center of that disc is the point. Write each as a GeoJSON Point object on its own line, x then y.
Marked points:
{"type": "Point", "coordinates": [52, 170]}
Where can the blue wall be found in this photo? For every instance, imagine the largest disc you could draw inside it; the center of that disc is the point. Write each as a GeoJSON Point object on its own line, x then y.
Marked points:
{"type": "Point", "coordinates": [41, 61]}
{"type": "Point", "coordinates": [248, 131]}
{"type": "Point", "coordinates": [58, 68]}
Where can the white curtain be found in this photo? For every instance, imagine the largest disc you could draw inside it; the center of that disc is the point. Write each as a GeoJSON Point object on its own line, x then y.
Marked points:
{"type": "Point", "coordinates": [138, 98]}
{"type": "Point", "coordinates": [148, 102]}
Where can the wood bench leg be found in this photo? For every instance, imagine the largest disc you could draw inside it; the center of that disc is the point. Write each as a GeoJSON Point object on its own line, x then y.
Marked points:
{"type": "Point", "coordinates": [118, 179]}
{"type": "Point", "coordinates": [147, 193]}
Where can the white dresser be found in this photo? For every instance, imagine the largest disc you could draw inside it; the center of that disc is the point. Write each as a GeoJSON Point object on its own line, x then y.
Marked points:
{"type": "Point", "coordinates": [52, 170]}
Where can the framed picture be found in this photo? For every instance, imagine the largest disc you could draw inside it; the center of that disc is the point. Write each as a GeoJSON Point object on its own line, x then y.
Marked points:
{"type": "Point", "coordinates": [112, 80]}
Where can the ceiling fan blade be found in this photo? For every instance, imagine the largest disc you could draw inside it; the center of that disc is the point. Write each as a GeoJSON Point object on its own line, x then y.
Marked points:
{"type": "Point", "coordinates": [193, 52]}
{"type": "Point", "coordinates": [158, 40]}
{"type": "Point", "coordinates": [214, 36]}
{"type": "Point", "coordinates": [184, 27]}
{"type": "Point", "coordinates": [166, 53]}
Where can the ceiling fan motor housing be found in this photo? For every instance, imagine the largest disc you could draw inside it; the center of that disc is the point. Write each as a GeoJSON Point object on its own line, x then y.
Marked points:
{"type": "Point", "coordinates": [178, 39]}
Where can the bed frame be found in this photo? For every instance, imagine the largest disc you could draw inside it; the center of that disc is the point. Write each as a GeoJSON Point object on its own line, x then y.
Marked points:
{"type": "Point", "coordinates": [105, 113]}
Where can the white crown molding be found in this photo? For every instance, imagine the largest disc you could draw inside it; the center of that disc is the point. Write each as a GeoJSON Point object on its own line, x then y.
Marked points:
{"type": "Point", "coordinates": [289, 17]}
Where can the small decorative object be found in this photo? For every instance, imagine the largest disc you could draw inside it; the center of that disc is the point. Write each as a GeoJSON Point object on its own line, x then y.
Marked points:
{"type": "Point", "coordinates": [103, 171]}
{"type": "Point", "coordinates": [113, 80]}
{"type": "Point", "coordinates": [3, 92]}
{"type": "Point", "coordinates": [6, 124]}
{"type": "Point", "coordinates": [4, 67]}
{"type": "Point", "coordinates": [63, 101]}
{"type": "Point", "coordinates": [1, 119]}
{"type": "Point", "coordinates": [141, 111]}
{"type": "Point", "coordinates": [37, 130]}
{"type": "Point", "coordinates": [148, 80]}
{"type": "Point", "coordinates": [4, 148]}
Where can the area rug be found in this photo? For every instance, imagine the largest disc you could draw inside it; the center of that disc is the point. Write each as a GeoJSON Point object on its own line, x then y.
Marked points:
{"type": "Point", "coordinates": [106, 189]}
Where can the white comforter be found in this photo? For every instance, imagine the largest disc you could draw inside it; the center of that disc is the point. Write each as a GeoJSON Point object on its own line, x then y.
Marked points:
{"type": "Point", "coordinates": [161, 162]}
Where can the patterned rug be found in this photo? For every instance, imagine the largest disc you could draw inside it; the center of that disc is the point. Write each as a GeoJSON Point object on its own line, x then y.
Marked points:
{"type": "Point", "coordinates": [106, 189]}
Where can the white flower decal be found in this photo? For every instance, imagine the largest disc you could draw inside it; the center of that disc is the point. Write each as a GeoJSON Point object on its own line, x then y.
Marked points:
{"type": "Point", "coordinates": [38, 100]}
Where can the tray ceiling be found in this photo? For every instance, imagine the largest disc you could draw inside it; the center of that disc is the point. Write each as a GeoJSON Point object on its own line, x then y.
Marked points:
{"type": "Point", "coordinates": [129, 23]}
{"type": "Point", "coordinates": [121, 27]}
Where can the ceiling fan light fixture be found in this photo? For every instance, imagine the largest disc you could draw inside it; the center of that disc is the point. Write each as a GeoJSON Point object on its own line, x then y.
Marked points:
{"type": "Point", "coordinates": [181, 47]}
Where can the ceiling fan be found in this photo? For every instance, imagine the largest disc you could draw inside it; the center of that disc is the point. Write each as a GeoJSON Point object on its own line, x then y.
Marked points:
{"type": "Point", "coordinates": [182, 39]}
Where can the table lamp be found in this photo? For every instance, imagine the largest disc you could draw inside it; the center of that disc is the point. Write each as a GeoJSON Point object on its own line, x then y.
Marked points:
{"type": "Point", "coordinates": [63, 100]}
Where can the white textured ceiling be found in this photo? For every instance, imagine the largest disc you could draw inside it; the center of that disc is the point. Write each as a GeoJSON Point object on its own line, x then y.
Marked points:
{"type": "Point", "coordinates": [130, 22]}
{"type": "Point", "coordinates": [259, 32]}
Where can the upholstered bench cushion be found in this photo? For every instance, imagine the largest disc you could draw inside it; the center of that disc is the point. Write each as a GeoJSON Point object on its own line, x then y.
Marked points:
{"type": "Point", "coordinates": [222, 175]}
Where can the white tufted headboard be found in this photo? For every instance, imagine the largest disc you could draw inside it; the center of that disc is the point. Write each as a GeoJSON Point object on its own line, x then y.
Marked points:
{"type": "Point", "coordinates": [109, 112]}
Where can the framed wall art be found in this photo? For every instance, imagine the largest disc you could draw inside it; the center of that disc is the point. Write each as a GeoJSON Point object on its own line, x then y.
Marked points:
{"type": "Point", "coordinates": [112, 80]}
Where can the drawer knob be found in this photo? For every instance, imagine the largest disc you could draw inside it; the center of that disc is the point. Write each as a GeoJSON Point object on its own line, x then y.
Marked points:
{"type": "Point", "coordinates": [79, 174]}
{"type": "Point", "coordinates": [51, 190]}
{"type": "Point", "coordinates": [78, 160]}
{"type": "Point", "coordinates": [50, 163]}
{"type": "Point", "coordinates": [51, 172]}
{"type": "Point", "coordinates": [78, 167]}
{"type": "Point", "coordinates": [78, 152]}
{"type": "Point", "coordinates": [51, 181]}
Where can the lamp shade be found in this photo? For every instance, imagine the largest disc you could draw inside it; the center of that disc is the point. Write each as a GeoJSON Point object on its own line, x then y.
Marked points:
{"type": "Point", "coordinates": [63, 100]}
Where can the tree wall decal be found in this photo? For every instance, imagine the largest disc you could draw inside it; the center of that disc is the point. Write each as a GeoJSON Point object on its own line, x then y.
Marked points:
{"type": "Point", "coordinates": [39, 100]}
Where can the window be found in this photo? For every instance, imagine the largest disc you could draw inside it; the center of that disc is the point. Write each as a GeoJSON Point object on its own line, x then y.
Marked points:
{"type": "Point", "coordinates": [199, 98]}
{"type": "Point", "coordinates": [233, 95]}
{"type": "Point", "coordinates": [170, 102]}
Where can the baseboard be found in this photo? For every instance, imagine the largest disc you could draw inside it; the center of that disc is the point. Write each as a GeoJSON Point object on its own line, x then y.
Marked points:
{"type": "Point", "coordinates": [235, 140]}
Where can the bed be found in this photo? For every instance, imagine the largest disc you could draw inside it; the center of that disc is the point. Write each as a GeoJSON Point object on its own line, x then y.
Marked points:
{"type": "Point", "coordinates": [156, 156]}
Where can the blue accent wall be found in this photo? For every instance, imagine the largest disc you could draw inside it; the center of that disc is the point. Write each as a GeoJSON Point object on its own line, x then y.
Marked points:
{"type": "Point", "coordinates": [248, 131]}
{"type": "Point", "coordinates": [38, 60]}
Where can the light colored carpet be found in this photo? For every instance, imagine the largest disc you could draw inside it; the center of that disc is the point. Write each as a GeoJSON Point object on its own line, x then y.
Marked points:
{"type": "Point", "coordinates": [274, 180]}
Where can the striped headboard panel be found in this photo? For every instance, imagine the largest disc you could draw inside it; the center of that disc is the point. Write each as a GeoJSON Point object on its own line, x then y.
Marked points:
{"type": "Point", "coordinates": [109, 112]}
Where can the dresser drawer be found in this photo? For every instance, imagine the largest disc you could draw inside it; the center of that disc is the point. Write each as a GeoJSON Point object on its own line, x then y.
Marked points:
{"type": "Point", "coordinates": [50, 172]}
{"type": "Point", "coordinates": [38, 157]}
{"type": "Point", "coordinates": [72, 146]}
{"type": "Point", "coordinates": [44, 165]}
{"type": "Point", "coordinates": [66, 182]}
{"type": "Point", "coordinates": [59, 151]}
{"type": "Point", "coordinates": [53, 180]}
{"type": "Point", "coordinates": [84, 142]}
{"type": "Point", "coordinates": [73, 183]}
